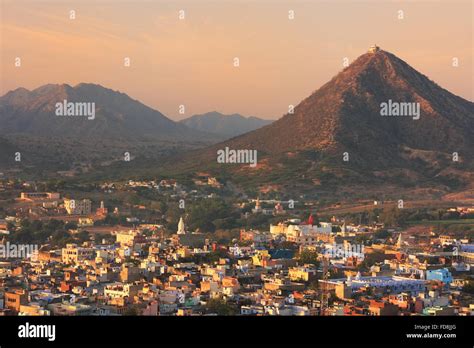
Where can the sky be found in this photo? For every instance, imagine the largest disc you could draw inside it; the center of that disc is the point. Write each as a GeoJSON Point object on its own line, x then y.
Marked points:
{"type": "Point", "coordinates": [190, 61]}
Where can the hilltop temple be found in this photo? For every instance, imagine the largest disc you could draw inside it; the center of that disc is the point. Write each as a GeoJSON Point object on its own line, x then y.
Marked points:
{"type": "Point", "coordinates": [181, 227]}
{"type": "Point", "coordinates": [374, 49]}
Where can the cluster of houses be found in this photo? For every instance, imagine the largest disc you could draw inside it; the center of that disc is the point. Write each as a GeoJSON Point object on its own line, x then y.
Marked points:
{"type": "Point", "coordinates": [260, 273]}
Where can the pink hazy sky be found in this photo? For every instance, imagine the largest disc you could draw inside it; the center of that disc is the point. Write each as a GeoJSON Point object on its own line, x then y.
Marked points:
{"type": "Point", "coordinates": [190, 61]}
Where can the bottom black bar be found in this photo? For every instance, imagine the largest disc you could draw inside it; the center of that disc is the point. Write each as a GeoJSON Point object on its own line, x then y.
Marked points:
{"type": "Point", "coordinates": [224, 331]}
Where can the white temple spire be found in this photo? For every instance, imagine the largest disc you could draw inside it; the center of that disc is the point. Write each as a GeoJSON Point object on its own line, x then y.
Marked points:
{"type": "Point", "coordinates": [181, 228]}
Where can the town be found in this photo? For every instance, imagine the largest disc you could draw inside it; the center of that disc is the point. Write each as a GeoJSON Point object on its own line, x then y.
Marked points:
{"type": "Point", "coordinates": [163, 248]}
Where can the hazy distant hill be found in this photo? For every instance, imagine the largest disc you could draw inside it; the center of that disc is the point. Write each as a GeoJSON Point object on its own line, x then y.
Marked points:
{"type": "Point", "coordinates": [344, 116]}
{"type": "Point", "coordinates": [28, 119]}
{"type": "Point", "coordinates": [226, 125]}
{"type": "Point", "coordinates": [117, 115]}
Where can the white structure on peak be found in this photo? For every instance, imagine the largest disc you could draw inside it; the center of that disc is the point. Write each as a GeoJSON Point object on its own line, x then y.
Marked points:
{"type": "Point", "coordinates": [374, 49]}
{"type": "Point", "coordinates": [181, 228]}
{"type": "Point", "coordinates": [399, 241]}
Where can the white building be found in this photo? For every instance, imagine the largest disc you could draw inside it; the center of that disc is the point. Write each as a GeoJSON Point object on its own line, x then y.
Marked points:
{"type": "Point", "coordinates": [395, 284]}
{"type": "Point", "coordinates": [301, 234]}
{"type": "Point", "coordinates": [374, 49]}
{"type": "Point", "coordinates": [181, 227]}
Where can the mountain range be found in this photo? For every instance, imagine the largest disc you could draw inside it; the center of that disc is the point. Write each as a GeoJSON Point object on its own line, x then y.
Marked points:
{"type": "Point", "coordinates": [116, 116]}
{"type": "Point", "coordinates": [30, 121]}
{"type": "Point", "coordinates": [337, 140]}
{"type": "Point", "coordinates": [224, 125]}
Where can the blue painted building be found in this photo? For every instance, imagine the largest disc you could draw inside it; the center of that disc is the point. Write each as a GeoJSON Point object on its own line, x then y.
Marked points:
{"type": "Point", "coordinates": [442, 274]}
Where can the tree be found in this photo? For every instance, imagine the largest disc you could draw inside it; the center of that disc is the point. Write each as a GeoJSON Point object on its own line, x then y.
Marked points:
{"type": "Point", "coordinates": [314, 285]}
{"type": "Point", "coordinates": [70, 226]}
{"type": "Point", "coordinates": [392, 217]}
{"type": "Point", "coordinates": [83, 236]}
{"type": "Point", "coordinates": [131, 311]}
{"type": "Point", "coordinates": [221, 307]}
{"type": "Point", "coordinates": [10, 226]}
{"type": "Point", "coordinates": [308, 257]}
{"type": "Point", "coordinates": [382, 234]}
{"type": "Point", "coordinates": [469, 287]}
{"type": "Point", "coordinates": [202, 214]}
